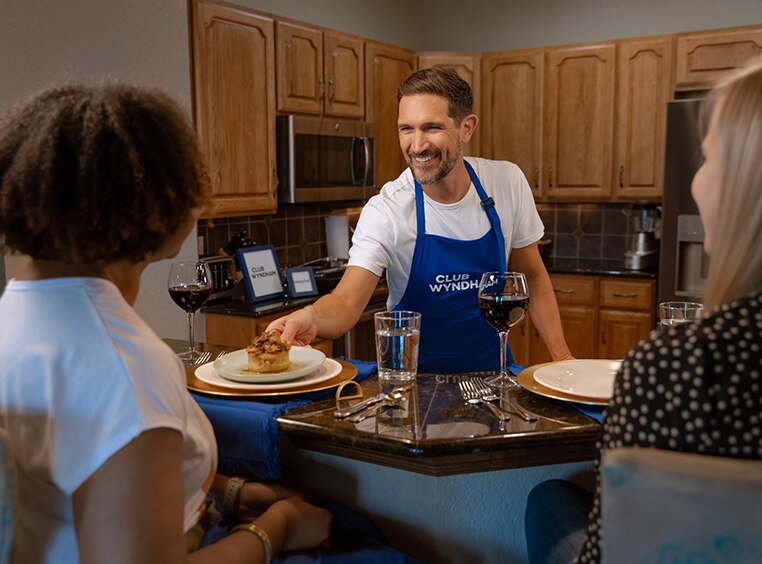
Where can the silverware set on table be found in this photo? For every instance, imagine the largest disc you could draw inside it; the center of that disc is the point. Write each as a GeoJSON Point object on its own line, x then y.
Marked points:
{"type": "Point", "coordinates": [206, 356]}
{"type": "Point", "coordinates": [373, 405]}
{"type": "Point", "coordinates": [476, 391]}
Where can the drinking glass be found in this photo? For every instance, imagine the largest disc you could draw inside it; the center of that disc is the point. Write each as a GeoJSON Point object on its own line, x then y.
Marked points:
{"type": "Point", "coordinates": [675, 313]}
{"type": "Point", "coordinates": [503, 300]}
{"type": "Point", "coordinates": [190, 283]}
{"type": "Point", "coordinates": [398, 335]}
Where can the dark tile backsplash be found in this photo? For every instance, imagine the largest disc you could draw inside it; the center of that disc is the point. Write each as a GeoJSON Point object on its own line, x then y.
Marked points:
{"type": "Point", "coordinates": [297, 231]}
{"type": "Point", "coordinates": [594, 231]}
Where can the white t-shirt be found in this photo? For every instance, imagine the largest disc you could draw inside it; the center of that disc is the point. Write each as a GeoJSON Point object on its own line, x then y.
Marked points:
{"type": "Point", "coordinates": [385, 235]}
{"type": "Point", "coordinates": [81, 375]}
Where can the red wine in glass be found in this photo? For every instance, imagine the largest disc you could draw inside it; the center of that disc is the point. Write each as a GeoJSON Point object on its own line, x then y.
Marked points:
{"type": "Point", "coordinates": [190, 284]}
{"type": "Point", "coordinates": [503, 311]}
{"type": "Point", "coordinates": [503, 301]}
{"type": "Point", "coordinates": [190, 297]}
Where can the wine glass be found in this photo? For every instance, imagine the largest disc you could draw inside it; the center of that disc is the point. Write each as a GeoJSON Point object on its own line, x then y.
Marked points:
{"type": "Point", "coordinates": [190, 283]}
{"type": "Point", "coordinates": [503, 300]}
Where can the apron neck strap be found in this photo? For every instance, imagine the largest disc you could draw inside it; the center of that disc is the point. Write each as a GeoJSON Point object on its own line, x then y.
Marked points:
{"type": "Point", "coordinates": [488, 205]}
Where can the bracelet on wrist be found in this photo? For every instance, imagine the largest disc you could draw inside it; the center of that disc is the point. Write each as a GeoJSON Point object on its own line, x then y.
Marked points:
{"type": "Point", "coordinates": [231, 495]}
{"type": "Point", "coordinates": [255, 530]}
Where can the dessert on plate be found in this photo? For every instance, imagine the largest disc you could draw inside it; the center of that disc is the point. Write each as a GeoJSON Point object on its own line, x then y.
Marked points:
{"type": "Point", "coordinates": [267, 353]}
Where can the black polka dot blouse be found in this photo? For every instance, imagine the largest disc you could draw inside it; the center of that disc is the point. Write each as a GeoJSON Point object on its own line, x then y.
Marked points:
{"type": "Point", "coordinates": [690, 388]}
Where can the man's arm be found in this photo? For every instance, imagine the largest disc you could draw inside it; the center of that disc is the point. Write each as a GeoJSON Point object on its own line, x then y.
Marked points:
{"type": "Point", "coordinates": [543, 307]}
{"type": "Point", "coordinates": [332, 315]}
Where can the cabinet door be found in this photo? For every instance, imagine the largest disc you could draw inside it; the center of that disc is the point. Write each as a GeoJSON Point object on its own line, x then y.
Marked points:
{"type": "Point", "coordinates": [234, 106]}
{"type": "Point", "coordinates": [579, 118]}
{"type": "Point", "coordinates": [345, 75]}
{"type": "Point", "coordinates": [579, 324]}
{"type": "Point", "coordinates": [512, 105]}
{"type": "Point", "coordinates": [385, 69]}
{"type": "Point", "coordinates": [644, 78]}
{"type": "Point", "coordinates": [468, 68]}
{"type": "Point", "coordinates": [621, 330]}
{"type": "Point", "coordinates": [299, 54]}
{"type": "Point", "coordinates": [703, 57]}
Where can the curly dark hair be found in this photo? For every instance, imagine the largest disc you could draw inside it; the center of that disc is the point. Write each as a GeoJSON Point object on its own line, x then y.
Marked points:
{"type": "Point", "coordinates": [441, 81]}
{"type": "Point", "coordinates": [97, 173]}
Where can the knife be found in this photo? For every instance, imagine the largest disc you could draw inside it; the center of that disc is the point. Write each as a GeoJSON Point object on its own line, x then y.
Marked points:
{"type": "Point", "coordinates": [347, 411]}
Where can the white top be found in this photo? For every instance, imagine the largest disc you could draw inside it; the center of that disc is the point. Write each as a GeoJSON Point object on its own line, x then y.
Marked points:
{"type": "Point", "coordinates": [386, 231]}
{"type": "Point", "coordinates": [82, 375]}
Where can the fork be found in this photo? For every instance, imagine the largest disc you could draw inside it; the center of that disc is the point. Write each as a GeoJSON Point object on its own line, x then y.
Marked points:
{"type": "Point", "coordinates": [223, 352]}
{"type": "Point", "coordinates": [486, 393]}
{"type": "Point", "coordinates": [203, 358]}
{"type": "Point", "coordinates": [471, 395]}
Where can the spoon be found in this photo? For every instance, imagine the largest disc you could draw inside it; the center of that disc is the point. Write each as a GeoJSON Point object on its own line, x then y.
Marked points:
{"type": "Point", "coordinates": [392, 398]}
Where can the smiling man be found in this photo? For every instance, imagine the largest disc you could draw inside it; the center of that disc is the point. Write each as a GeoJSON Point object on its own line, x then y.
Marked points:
{"type": "Point", "coordinates": [434, 231]}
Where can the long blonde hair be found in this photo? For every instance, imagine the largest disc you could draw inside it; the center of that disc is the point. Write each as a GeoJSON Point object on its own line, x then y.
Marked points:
{"type": "Point", "coordinates": [736, 262]}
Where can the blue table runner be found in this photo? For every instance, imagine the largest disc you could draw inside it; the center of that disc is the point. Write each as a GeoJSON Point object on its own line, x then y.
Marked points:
{"type": "Point", "coordinates": [247, 430]}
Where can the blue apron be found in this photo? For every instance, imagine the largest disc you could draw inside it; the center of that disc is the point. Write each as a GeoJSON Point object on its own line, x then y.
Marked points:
{"type": "Point", "coordinates": [443, 286]}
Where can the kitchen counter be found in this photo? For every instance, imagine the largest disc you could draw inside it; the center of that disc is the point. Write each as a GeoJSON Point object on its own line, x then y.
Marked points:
{"type": "Point", "coordinates": [243, 308]}
{"type": "Point", "coordinates": [439, 434]}
{"type": "Point", "coordinates": [602, 267]}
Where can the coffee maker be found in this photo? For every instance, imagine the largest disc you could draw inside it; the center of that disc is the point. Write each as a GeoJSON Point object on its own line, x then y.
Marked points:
{"type": "Point", "coordinates": [643, 253]}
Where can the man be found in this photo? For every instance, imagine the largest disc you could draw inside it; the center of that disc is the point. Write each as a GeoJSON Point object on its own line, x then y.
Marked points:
{"type": "Point", "coordinates": [434, 231]}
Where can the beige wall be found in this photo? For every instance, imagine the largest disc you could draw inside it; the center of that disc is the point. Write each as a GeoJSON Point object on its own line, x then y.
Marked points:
{"type": "Point", "coordinates": [493, 25]}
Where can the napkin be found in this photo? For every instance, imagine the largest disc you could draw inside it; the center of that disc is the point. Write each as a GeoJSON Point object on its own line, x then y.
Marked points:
{"type": "Point", "coordinates": [596, 412]}
{"type": "Point", "coordinates": [247, 431]}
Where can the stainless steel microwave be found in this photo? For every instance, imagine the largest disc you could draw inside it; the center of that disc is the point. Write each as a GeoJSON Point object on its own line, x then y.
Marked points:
{"type": "Point", "coordinates": [324, 159]}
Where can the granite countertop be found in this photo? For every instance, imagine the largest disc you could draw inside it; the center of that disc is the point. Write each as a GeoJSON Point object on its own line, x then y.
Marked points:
{"type": "Point", "coordinates": [602, 267]}
{"type": "Point", "coordinates": [439, 434]}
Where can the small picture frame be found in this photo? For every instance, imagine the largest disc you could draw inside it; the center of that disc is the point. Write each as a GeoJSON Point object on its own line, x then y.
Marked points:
{"type": "Point", "coordinates": [261, 272]}
{"type": "Point", "coordinates": [301, 282]}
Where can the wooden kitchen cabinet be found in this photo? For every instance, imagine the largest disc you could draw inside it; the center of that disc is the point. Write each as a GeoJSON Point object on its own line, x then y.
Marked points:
{"type": "Point", "coordinates": [233, 78]}
{"type": "Point", "coordinates": [644, 85]}
{"type": "Point", "coordinates": [626, 314]}
{"type": "Point", "coordinates": [601, 316]}
{"type": "Point", "coordinates": [579, 118]}
{"type": "Point", "coordinates": [702, 57]}
{"type": "Point", "coordinates": [238, 331]}
{"type": "Point", "coordinates": [468, 68]}
{"type": "Point", "coordinates": [319, 72]}
{"type": "Point", "coordinates": [386, 67]}
{"type": "Point", "coordinates": [512, 120]}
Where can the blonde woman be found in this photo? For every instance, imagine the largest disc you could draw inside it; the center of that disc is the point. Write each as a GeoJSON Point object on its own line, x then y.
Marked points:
{"type": "Point", "coordinates": [690, 388]}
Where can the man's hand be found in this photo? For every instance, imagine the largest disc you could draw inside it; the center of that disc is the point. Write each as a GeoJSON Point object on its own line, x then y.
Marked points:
{"type": "Point", "coordinates": [298, 328]}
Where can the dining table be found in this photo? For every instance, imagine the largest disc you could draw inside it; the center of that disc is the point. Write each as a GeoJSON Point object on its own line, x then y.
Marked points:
{"type": "Point", "coordinates": [418, 466]}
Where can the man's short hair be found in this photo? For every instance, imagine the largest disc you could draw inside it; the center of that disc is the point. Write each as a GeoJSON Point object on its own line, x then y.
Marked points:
{"type": "Point", "coordinates": [444, 82]}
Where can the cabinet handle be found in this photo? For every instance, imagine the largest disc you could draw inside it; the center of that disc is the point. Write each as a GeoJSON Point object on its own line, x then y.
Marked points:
{"type": "Point", "coordinates": [621, 176]}
{"type": "Point", "coordinates": [322, 87]}
{"type": "Point", "coordinates": [331, 90]}
{"type": "Point", "coordinates": [625, 295]}
{"type": "Point", "coordinates": [603, 337]}
{"type": "Point", "coordinates": [550, 177]}
{"type": "Point", "coordinates": [536, 177]}
{"type": "Point", "coordinates": [564, 291]}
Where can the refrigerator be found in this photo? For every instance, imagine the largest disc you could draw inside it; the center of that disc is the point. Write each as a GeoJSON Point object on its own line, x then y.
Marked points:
{"type": "Point", "coordinates": [683, 264]}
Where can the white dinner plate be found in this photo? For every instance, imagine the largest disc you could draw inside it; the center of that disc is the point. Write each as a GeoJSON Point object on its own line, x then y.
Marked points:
{"type": "Point", "coordinates": [326, 371]}
{"type": "Point", "coordinates": [588, 378]}
{"type": "Point", "coordinates": [234, 366]}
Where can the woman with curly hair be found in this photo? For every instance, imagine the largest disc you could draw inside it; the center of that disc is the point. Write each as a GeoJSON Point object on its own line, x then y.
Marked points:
{"type": "Point", "coordinates": [114, 459]}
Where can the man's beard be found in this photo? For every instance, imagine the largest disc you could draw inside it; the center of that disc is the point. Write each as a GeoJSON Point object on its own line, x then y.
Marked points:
{"type": "Point", "coordinates": [439, 173]}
